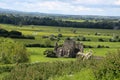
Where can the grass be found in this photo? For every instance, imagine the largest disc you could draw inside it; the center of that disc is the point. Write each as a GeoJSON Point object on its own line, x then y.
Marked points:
{"type": "Point", "coordinates": [37, 53]}
{"type": "Point", "coordinates": [84, 74]}
{"type": "Point", "coordinates": [110, 44]}
{"type": "Point", "coordinates": [101, 51]}
{"type": "Point", "coordinates": [37, 56]}
{"type": "Point", "coordinates": [3, 74]}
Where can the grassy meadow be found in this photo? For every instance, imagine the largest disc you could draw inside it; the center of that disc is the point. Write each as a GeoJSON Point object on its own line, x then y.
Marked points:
{"type": "Point", "coordinates": [37, 52]}
{"type": "Point", "coordinates": [39, 31]}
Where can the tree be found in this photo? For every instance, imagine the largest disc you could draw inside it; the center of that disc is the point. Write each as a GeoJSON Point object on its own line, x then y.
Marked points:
{"type": "Point", "coordinates": [12, 52]}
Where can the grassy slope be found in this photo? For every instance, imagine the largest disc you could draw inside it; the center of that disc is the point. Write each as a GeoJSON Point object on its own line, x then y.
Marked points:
{"type": "Point", "coordinates": [85, 74]}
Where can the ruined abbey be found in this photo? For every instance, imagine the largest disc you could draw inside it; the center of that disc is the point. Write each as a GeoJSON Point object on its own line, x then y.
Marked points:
{"type": "Point", "coordinates": [69, 49]}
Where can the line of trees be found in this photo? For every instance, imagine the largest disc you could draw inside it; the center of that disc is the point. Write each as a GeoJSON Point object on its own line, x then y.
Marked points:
{"type": "Point", "coordinates": [14, 34]}
{"type": "Point", "coordinates": [28, 20]}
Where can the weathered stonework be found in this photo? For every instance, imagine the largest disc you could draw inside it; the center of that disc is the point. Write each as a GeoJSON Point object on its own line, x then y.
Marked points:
{"type": "Point", "coordinates": [69, 49]}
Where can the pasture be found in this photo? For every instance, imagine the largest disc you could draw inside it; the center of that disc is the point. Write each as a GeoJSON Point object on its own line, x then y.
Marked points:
{"type": "Point", "coordinates": [36, 53]}
{"type": "Point", "coordinates": [39, 31]}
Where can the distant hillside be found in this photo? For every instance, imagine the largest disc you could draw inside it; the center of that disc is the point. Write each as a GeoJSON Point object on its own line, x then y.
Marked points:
{"type": "Point", "coordinates": [55, 16]}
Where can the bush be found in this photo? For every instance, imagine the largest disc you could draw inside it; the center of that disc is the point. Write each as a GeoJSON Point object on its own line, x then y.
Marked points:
{"type": "Point", "coordinates": [68, 38]}
{"type": "Point", "coordinates": [59, 35]}
{"type": "Point", "coordinates": [44, 70]}
{"type": "Point", "coordinates": [88, 46]}
{"type": "Point", "coordinates": [15, 33]}
{"type": "Point", "coordinates": [84, 39]}
{"type": "Point", "coordinates": [28, 37]}
{"type": "Point", "coordinates": [3, 32]}
{"type": "Point", "coordinates": [119, 40]}
{"type": "Point", "coordinates": [112, 40]}
{"type": "Point", "coordinates": [107, 46]}
{"type": "Point", "coordinates": [78, 39]}
{"type": "Point", "coordinates": [45, 36]}
{"type": "Point", "coordinates": [6, 68]}
{"type": "Point", "coordinates": [101, 40]}
{"type": "Point", "coordinates": [34, 45]}
{"type": "Point", "coordinates": [109, 68]}
{"type": "Point", "coordinates": [98, 34]}
{"type": "Point", "coordinates": [100, 46]}
{"type": "Point", "coordinates": [12, 52]}
{"type": "Point", "coordinates": [49, 53]}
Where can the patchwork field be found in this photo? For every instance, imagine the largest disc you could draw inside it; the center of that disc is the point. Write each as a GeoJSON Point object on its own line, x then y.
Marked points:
{"type": "Point", "coordinates": [39, 31]}
{"type": "Point", "coordinates": [97, 40]}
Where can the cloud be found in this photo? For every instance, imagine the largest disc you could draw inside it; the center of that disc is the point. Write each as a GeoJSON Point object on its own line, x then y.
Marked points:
{"type": "Point", "coordinates": [87, 1]}
{"type": "Point", "coordinates": [77, 7]}
{"type": "Point", "coordinates": [117, 2]}
{"type": "Point", "coordinates": [59, 7]}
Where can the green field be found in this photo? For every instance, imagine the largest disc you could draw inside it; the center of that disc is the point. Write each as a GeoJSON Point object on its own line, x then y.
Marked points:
{"type": "Point", "coordinates": [39, 31]}
{"type": "Point", "coordinates": [36, 53]}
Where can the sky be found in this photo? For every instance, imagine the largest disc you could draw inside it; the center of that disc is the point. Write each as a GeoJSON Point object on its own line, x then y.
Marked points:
{"type": "Point", "coordinates": [71, 7]}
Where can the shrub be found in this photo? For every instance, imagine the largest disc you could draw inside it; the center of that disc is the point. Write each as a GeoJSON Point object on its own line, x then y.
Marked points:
{"type": "Point", "coordinates": [88, 39]}
{"type": "Point", "coordinates": [28, 37]}
{"type": "Point", "coordinates": [59, 35]}
{"type": "Point", "coordinates": [6, 68]}
{"type": "Point", "coordinates": [34, 45]}
{"type": "Point", "coordinates": [98, 34]}
{"type": "Point", "coordinates": [100, 46]}
{"type": "Point", "coordinates": [78, 39]}
{"type": "Point", "coordinates": [108, 68]}
{"type": "Point", "coordinates": [107, 46]}
{"type": "Point", "coordinates": [12, 52]}
{"type": "Point", "coordinates": [49, 53]}
{"type": "Point", "coordinates": [84, 39]}
{"type": "Point", "coordinates": [112, 40]}
{"type": "Point", "coordinates": [15, 33]}
{"type": "Point", "coordinates": [68, 38]}
{"type": "Point", "coordinates": [44, 70]}
{"type": "Point", "coordinates": [101, 40]}
{"type": "Point", "coordinates": [53, 38]}
{"type": "Point", "coordinates": [119, 40]}
{"type": "Point", "coordinates": [45, 36]}
{"type": "Point", "coordinates": [88, 46]}
{"type": "Point", "coordinates": [3, 32]}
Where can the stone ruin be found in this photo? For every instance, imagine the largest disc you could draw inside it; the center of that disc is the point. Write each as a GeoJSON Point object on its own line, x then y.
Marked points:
{"type": "Point", "coordinates": [69, 49]}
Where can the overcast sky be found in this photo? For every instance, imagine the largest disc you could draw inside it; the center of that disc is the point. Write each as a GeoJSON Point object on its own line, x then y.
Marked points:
{"type": "Point", "coordinates": [75, 7]}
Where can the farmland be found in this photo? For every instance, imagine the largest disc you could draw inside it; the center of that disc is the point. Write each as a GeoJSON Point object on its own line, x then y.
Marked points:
{"type": "Point", "coordinates": [39, 31]}
{"type": "Point", "coordinates": [89, 37]}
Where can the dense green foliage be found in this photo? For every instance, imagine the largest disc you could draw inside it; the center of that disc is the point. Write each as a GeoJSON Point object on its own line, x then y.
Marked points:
{"type": "Point", "coordinates": [27, 20]}
{"type": "Point", "coordinates": [109, 68]}
{"type": "Point", "coordinates": [12, 52]}
{"type": "Point", "coordinates": [43, 71]}
{"type": "Point", "coordinates": [106, 69]}
{"type": "Point", "coordinates": [6, 68]}
{"type": "Point", "coordinates": [45, 38]}
{"type": "Point", "coordinates": [49, 53]}
{"type": "Point", "coordinates": [14, 34]}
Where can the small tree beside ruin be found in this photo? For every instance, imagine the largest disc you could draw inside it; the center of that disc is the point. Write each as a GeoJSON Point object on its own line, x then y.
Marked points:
{"type": "Point", "coordinates": [12, 52]}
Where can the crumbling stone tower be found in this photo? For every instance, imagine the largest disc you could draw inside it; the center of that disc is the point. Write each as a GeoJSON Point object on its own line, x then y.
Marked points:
{"type": "Point", "coordinates": [69, 49]}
